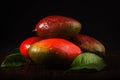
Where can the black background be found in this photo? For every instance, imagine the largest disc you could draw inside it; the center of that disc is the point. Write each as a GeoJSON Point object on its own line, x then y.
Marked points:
{"type": "Point", "coordinates": [99, 20]}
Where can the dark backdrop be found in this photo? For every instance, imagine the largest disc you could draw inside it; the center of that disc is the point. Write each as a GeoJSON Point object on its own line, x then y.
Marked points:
{"type": "Point", "coordinates": [99, 20]}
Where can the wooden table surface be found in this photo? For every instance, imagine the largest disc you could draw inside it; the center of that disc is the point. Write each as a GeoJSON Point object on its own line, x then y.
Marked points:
{"type": "Point", "coordinates": [112, 71]}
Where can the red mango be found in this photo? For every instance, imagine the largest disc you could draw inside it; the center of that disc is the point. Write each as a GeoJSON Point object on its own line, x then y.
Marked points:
{"type": "Point", "coordinates": [57, 26]}
{"type": "Point", "coordinates": [54, 52]}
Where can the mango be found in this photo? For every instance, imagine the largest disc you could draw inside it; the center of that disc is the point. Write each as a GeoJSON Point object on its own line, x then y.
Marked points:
{"type": "Point", "coordinates": [57, 26]}
{"type": "Point", "coordinates": [89, 44]}
{"type": "Point", "coordinates": [54, 52]}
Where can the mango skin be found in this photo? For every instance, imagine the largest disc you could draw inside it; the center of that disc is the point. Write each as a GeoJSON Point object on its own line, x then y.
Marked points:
{"type": "Point", "coordinates": [89, 44]}
{"type": "Point", "coordinates": [54, 53]}
{"type": "Point", "coordinates": [26, 44]}
{"type": "Point", "coordinates": [57, 26]}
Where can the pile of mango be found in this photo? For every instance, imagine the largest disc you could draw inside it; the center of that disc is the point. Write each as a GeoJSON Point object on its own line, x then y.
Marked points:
{"type": "Point", "coordinates": [58, 42]}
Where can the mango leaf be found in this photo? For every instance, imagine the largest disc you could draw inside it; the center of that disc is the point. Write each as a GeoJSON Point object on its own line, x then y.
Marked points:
{"type": "Point", "coordinates": [88, 60]}
{"type": "Point", "coordinates": [14, 59]}
{"type": "Point", "coordinates": [16, 50]}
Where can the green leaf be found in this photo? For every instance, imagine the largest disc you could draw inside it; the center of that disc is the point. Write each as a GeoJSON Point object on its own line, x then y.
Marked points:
{"type": "Point", "coordinates": [16, 50]}
{"type": "Point", "coordinates": [88, 60]}
{"type": "Point", "coordinates": [14, 59]}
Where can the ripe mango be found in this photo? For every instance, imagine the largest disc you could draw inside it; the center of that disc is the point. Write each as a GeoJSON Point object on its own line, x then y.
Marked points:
{"type": "Point", "coordinates": [57, 26]}
{"type": "Point", "coordinates": [88, 43]}
{"type": "Point", "coordinates": [54, 52]}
